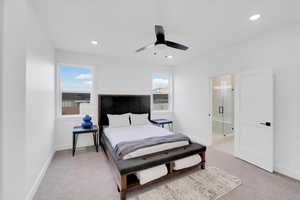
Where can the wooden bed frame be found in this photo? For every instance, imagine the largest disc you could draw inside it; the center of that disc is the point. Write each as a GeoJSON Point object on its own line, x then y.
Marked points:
{"type": "Point", "coordinates": [139, 104]}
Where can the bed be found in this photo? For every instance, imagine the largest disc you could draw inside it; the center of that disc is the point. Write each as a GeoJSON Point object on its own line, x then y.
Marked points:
{"type": "Point", "coordinates": [145, 165]}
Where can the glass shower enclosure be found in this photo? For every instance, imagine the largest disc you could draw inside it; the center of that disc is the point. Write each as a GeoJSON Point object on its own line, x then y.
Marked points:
{"type": "Point", "coordinates": [223, 105]}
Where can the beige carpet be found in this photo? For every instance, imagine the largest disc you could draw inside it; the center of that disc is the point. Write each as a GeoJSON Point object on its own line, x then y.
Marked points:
{"type": "Point", "coordinates": [87, 176]}
{"type": "Point", "coordinates": [208, 184]}
{"type": "Point", "coordinates": [223, 143]}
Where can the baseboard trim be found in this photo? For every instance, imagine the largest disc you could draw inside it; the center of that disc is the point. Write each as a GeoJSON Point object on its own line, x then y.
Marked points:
{"type": "Point", "coordinates": [40, 177]}
{"type": "Point", "coordinates": [68, 147]}
{"type": "Point", "coordinates": [63, 147]}
{"type": "Point", "coordinates": [294, 174]}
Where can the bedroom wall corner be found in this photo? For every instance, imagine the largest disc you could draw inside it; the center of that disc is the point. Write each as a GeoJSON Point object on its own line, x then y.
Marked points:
{"type": "Point", "coordinates": [191, 89]}
{"type": "Point", "coordinates": [40, 102]}
{"type": "Point", "coordinates": [1, 95]}
{"type": "Point", "coordinates": [12, 85]}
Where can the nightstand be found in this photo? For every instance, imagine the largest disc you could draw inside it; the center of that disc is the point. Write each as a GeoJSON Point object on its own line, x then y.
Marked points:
{"type": "Point", "coordinates": [163, 122]}
{"type": "Point", "coordinates": [78, 130]}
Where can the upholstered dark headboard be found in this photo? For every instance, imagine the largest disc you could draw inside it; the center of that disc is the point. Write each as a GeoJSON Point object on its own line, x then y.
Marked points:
{"type": "Point", "coordinates": [120, 104]}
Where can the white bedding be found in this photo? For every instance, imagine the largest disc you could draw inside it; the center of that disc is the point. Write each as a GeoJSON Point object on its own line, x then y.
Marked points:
{"type": "Point", "coordinates": [131, 133]}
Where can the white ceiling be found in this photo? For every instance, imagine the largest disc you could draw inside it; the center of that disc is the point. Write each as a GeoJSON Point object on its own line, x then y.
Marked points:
{"type": "Point", "coordinates": [122, 26]}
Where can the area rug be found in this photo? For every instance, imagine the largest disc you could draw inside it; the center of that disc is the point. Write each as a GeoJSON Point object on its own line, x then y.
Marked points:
{"type": "Point", "coordinates": [208, 184]}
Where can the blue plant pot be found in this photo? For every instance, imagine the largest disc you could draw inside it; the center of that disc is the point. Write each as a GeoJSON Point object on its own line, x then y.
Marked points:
{"type": "Point", "coordinates": [87, 118]}
{"type": "Point", "coordinates": [87, 123]}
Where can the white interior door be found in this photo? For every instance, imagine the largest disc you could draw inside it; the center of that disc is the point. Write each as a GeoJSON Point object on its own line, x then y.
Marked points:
{"type": "Point", "coordinates": [254, 141]}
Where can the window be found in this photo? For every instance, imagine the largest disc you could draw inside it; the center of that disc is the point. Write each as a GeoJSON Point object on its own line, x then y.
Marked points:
{"type": "Point", "coordinates": [160, 92]}
{"type": "Point", "coordinates": [75, 86]}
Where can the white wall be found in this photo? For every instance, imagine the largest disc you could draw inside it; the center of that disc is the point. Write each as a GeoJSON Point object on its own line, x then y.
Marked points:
{"type": "Point", "coordinates": [191, 88]}
{"type": "Point", "coordinates": [13, 100]}
{"type": "Point", "coordinates": [1, 45]}
{"type": "Point", "coordinates": [40, 103]}
{"type": "Point", "coordinates": [27, 103]}
{"type": "Point", "coordinates": [278, 50]}
{"type": "Point", "coordinates": [111, 76]}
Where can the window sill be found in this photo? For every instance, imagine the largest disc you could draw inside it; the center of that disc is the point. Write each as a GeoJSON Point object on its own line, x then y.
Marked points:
{"type": "Point", "coordinates": [71, 116]}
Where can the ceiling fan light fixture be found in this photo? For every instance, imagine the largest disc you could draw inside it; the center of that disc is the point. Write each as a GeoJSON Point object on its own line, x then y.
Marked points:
{"type": "Point", "coordinates": [160, 47]}
{"type": "Point", "coordinates": [94, 42]}
{"type": "Point", "coordinates": [255, 17]}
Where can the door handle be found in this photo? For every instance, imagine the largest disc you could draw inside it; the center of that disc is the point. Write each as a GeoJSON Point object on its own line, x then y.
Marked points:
{"type": "Point", "coordinates": [265, 124]}
{"type": "Point", "coordinates": [221, 109]}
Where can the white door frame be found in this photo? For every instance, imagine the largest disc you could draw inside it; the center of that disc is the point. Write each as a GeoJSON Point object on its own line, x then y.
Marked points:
{"type": "Point", "coordinates": [210, 139]}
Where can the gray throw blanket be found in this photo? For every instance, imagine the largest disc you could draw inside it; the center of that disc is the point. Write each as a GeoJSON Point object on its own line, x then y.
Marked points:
{"type": "Point", "coordinates": [124, 148]}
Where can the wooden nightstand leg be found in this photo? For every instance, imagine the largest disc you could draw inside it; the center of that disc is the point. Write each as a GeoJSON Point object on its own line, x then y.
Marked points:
{"type": "Point", "coordinates": [99, 140]}
{"type": "Point", "coordinates": [73, 144]}
{"type": "Point", "coordinates": [95, 140]}
{"type": "Point", "coordinates": [75, 136]}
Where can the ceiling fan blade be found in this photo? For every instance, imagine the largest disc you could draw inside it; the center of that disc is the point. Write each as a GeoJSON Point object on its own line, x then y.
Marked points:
{"type": "Point", "coordinates": [145, 47]}
{"type": "Point", "coordinates": [176, 45]}
{"type": "Point", "coordinates": [160, 34]}
{"type": "Point", "coordinates": [159, 29]}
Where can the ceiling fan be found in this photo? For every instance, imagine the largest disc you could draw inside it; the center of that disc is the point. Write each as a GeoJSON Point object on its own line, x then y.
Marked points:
{"type": "Point", "coordinates": [160, 40]}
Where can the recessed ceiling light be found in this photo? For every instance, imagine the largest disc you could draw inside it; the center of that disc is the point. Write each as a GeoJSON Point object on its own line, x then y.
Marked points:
{"type": "Point", "coordinates": [169, 57]}
{"type": "Point", "coordinates": [255, 17]}
{"type": "Point", "coordinates": [94, 42]}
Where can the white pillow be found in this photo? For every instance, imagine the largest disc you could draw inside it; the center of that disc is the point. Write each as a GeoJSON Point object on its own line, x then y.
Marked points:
{"type": "Point", "coordinates": [139, 119]}
{"type": "Point", "coordinates": [118, 120]}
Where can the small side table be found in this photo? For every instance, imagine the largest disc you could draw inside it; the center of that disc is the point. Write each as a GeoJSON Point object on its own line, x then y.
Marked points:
{"type": "Point", "coordinates": [163, 122]}
{"type": "Point", "coordinates": [77, 130]}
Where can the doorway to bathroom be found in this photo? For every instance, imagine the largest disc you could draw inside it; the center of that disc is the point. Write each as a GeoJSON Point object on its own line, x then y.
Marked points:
{"type": "Point", "coordinates": [222, 113]}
